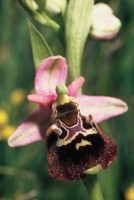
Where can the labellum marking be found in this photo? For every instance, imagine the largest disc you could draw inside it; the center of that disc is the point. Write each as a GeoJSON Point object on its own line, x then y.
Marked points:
{"type": "Point", "coordinates": [74, 131]}
{"type": "Point", "coordinates": [82, 143]}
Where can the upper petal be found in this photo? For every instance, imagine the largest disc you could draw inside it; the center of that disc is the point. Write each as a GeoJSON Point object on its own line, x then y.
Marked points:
{"type": "Point", "coordinates": [32, 129]}
{"type": "Point", "coordinates": [101, 107]}
{"type": "Point", "coordinates": [50, 72]}
{"type": "Point", "coordinates": [75, 86]}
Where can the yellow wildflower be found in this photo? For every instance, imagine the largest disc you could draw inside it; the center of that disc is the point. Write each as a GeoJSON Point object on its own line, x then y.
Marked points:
{"type": "Point", "coordinates": [6, 132]}
{"type": "Point", "coordinates": [129, 194]}
{"type": "Point", "coordinates": [17, 96]}
{"type": "Point", "coordinates": [3, 117]}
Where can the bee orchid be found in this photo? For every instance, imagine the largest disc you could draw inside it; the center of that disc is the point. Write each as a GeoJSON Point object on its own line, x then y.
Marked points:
{"type": "Point", "coordinates": [68, 120]}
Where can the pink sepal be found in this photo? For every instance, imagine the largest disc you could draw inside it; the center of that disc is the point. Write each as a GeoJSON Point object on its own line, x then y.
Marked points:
{"type": "Point", "coordinates": [50, 72]}
{"type": "Point", "coordinates": [42, 99]}
{"type": "Point", "coordinates": [32, 129]}
{"type": "Point", "coordinates": [74, 87]}
{"type": "Point", "coordinates": [101, 107]}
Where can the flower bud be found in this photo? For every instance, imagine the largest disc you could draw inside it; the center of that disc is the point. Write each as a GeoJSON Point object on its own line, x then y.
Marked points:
{"type": "Point", "coordinates": [101, 10]}
{"type": "Point", "coordinates": [54, 7]}
{"type": "Point", "coordinates": [105, 25]}
{"type": "Point", "coordinates": [32, 5]}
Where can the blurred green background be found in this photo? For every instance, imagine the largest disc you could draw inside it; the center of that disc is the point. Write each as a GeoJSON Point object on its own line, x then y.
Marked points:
{"type": "Point", "coordinates": [109, 70]}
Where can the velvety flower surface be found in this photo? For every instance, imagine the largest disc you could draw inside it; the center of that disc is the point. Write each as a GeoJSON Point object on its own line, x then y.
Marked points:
{"type": "Point", "coordinates": [75, 144]}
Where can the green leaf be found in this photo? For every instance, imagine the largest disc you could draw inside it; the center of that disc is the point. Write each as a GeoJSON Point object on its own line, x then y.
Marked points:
{"type": "Point", "coordinates": [78, 22]}
{"type": "Point", "coordinates": [40, 47]}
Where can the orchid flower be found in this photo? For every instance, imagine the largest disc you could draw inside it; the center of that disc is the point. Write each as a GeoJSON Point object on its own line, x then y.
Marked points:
{"type": "Point", "coordinates": [68, 121]}
{"type": "Point", "coordinates": [105, 25]}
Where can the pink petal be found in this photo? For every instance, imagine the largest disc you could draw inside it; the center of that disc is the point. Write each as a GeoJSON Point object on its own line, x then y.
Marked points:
{"type": "Point", "coordinates": [101, 107]}
{"type": "Point", "coordinates": [46, 100]}
{"type": "Point", "coordinates": [75, 86]}
{"type": "Point", "coordinates": [51, 72]}
{"type": "Point", "coordinates": [32, 129]}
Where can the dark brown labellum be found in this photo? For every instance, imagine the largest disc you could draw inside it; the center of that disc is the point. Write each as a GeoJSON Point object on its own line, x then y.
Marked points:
{"type": "Point", "coordinates": [76, 144]}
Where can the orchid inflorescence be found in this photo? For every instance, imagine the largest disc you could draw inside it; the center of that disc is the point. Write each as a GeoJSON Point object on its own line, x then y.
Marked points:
{"type": "Point", "coordinates": [68, 120]}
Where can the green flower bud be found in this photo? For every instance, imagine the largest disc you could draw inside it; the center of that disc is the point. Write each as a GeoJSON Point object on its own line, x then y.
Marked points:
{"type": "Point", "coordinates": [54, 7]}
{"type": "Point", "coordinates": [32, 5]}
{"type": "Point", "coordinates": [37, 12]}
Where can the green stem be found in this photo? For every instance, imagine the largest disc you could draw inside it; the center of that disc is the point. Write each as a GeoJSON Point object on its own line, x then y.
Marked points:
{"type": "Point", "coordinates": [50, 23]}
{"type": "Point", "coordinates": [92, 184]}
